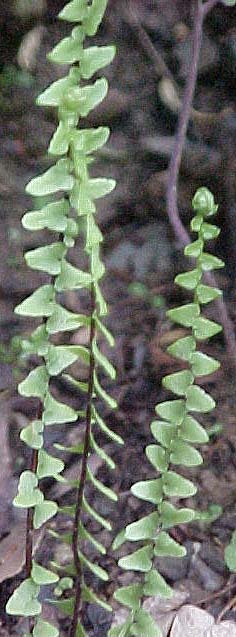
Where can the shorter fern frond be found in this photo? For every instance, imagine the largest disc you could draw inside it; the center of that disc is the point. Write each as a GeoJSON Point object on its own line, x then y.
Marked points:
{"type": "Point", "coordinates": [175, 432]}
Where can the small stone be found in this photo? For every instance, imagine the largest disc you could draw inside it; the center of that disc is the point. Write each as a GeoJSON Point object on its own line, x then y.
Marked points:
{"type": "Point", "coordinates": [191, 622]}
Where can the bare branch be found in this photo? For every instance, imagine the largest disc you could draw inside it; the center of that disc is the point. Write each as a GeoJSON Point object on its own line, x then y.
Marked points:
{"type": "Point", "coordinates": [174, 167]}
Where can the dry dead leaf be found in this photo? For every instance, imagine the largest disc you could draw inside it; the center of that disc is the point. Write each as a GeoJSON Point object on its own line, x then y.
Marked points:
{"type": "Point", "coordinates": [12, 550]}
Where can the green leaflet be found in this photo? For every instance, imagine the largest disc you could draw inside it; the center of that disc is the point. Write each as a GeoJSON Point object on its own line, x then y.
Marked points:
{"type": "Point", "coordinates": [165, 546]}
{"type": "Point", "coordinates": [103, 394]}
{"type": "Point", "coordinates": [158, 457]}
{"type": "Point", "coordinates": [103, 361]}
{"type": "Point", "coordinates": [24, 600]}
{"type": "Point", "coordinates": [59, 144]}
{"type": "Point", "coordinates": [183, 453]}
{"type": "Point", "coordinates": [48, 465]}
{"type": "Point", "coordinates": [42, 576]}
{"type": "Point", "coordinates": [35, 384]}
{"type": "Point", "coordinates": [101, 453]}
{"type": "Point", "coordinates": [163, 432]}
{"type": "Point", "coordinates": [101, 487]}
{"type": "Point", "coordinates": [88, 140]}
{"type": "Point", "coordinates": [156, 585]}
{"type": "Point", "coordinates": [94, 16]}
{"type": "Point", "coordinates": [203, 328]}
{"type": "Point", "coordinates": [150, 490]}
{"type": "Point", "coordinates": [185, 315]}
{"type": "Point", "coordinates": [105, 429]}
{"type": "Point", "coordinates": [144, 625]}
{"type": "Point", "coordinates": [229, 3]}
{"type": "Point", "coordinates": [121, 630]}
{"type": "Point", "coordinates": [171, 516]}
{"type": "Point", "coordinates": [66, 607]}
{"type": "Point", "coordinates": [53, 180]}
{"type": "Point", "coordinates": [56, 412]}
{"type": "Point", "coordinates": [54, 95]}
{"type": "Point", "coordinates": [85, 99]}
{"type": "Point", "coordinates": [230, 553]}
{"type": "Point", "coordinates": [203, 364]}
{"type": "Point", "coordinates": [28, 493]}
{"type": "Point", "coordinates": [104, 331]}
{"type": "Point", "coordinates": [194, 249]}
{"type": "Point", "coordinates": [93, 235]}
{"type": "Point", "coordinates": [89, 596]}
{"type": "Point", "coordinates": [33, 434]}
{"type": "Point", "coordinates": [48, 259]}
{"type": "Point", "coordinates": [78, 384]}
{"type": "Point", "coordinates": [203, 203]}
{"type": "Point", "coordinates": [44, 629]}
{"type": "Point", "coordinates": [70, 49]}
{"type": "Point", "coordinates": [37, 342]}
{"type": "Point", "coordinates": [192, 431]}
{"type": "Point", "coordinates": [206, 294]}
{"type": "Point", "coordinates": [209, 262]}
{"type": "Point", "coordinates": [209, 231]}
{"type": "Point", "coordinates": [44, 512]}
{"type": "Point", "coordinates": [97, 267]}
{"type": "Point", "coordinates": [96, 516]}
{"type": "Point", "coordinates": [53, 217]}
{"type": "Point", "coordinates": [95, 58]}
{"type": "Point", "coordinates": [62, 320]}
{"type": "Point", "coordinates": [74, 11]}
{"type": "Point", "coordinates": [61, 356]}
{"type": "Point", "coordinates": [183, 348]}
{"type": "Point", "coordinates": [85, 535]}
{"type": "Point", "coordinates": [100, 300]}
{"type": "Point", "coordinates": [71, 278]}
{"type": "Point", "coordinates": [199, 400]}
{"type": "Point", "coordinates": [188, 280]}
{"type": "Point", "coordinates": [179, 382]}
{"type": "Point", "coordinates": [144, 529]}
{"type": "Point", "coordinates": [176, 485]}
{"type": "Point", "coordinates": [140, 560]}
{"type": "Point", "coordinates": [173, 410]}
{"type": "Point", "coordinates": [40, 303]}
{"type": "Point", "coordinates": [129, 595]}
{"type": "Point", "coordinates": [94, 568]}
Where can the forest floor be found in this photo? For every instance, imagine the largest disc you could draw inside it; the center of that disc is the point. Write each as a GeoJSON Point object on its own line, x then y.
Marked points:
{"type": "Point", "coordinates": [142, 257]}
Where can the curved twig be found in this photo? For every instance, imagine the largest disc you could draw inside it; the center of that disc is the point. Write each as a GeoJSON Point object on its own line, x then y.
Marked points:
{"type": "Point", "coordinates": [201, 11]}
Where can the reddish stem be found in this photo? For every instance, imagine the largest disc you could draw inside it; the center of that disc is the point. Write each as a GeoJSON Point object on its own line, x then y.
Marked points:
{"type": "Point", "coordinates": [82, 481]}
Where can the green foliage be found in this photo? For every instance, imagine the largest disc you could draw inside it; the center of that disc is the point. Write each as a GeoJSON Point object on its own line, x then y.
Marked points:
{"type": "Point", "coordinates": [230, 553]}
{"type": "Point", "coordinates": [75, 196]}
{"type": "Point", "coordinates": [176, 431]}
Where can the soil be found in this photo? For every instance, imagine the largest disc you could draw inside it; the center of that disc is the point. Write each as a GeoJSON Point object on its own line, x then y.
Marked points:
{"type": "Point", "coordinates": [139, 248]}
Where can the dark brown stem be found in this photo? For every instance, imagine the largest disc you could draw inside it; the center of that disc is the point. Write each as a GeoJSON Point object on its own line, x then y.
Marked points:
{"type": "Point", "coordinates": [83, 473]}
{"type": "Point", "coordinates": [181, 233]}
{"type": "Point", "coordinates": [29, 523]}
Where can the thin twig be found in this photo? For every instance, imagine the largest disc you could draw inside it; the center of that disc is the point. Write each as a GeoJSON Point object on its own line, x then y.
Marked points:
{"type": "Point", "coordinates": [210, 598]}
{"type": "Point", "coordinates": [174, 166]}
{"type": "Point", "coordinates": [227, 607]}
{"type": "Point", "coordinates": [82, 480]}
{"type": "Point", "coordinates": [132, 19]}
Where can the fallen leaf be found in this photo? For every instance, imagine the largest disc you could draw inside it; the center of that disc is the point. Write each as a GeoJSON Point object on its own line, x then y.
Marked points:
{"type": "Point", "coordinates": [12, 550]}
